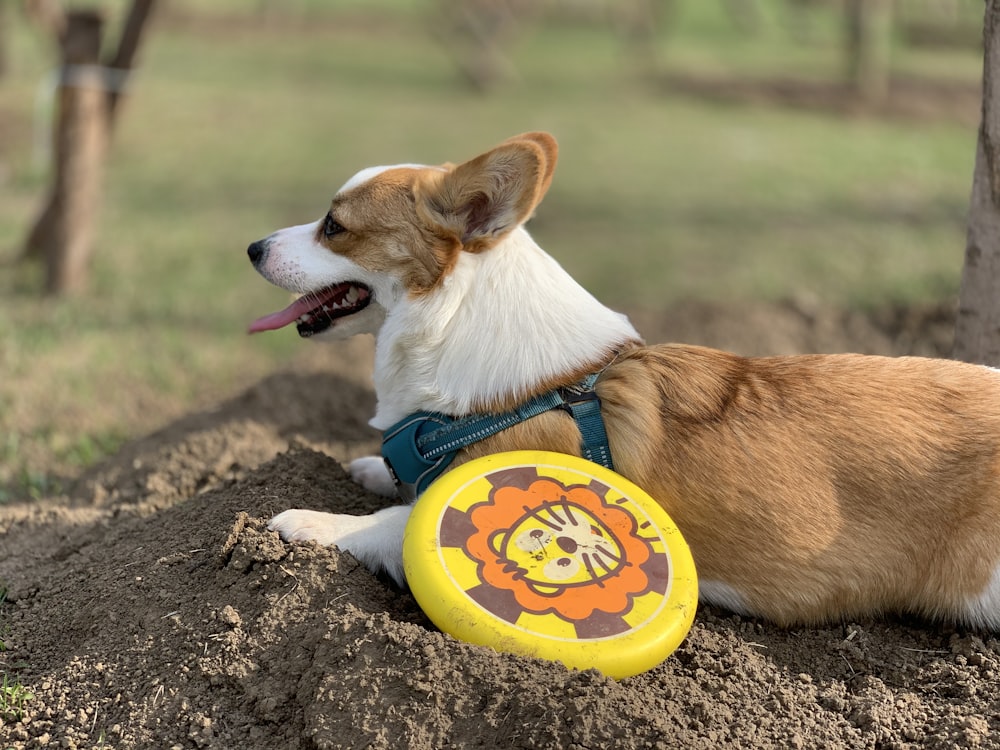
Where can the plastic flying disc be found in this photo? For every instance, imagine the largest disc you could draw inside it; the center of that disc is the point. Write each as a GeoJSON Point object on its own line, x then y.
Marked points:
{"type": "Point", "coordinates": [548, 555]}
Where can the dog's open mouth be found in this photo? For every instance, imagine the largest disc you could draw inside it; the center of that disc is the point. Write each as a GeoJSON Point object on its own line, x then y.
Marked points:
{"type": "Point", "coordinates": [316, 311]}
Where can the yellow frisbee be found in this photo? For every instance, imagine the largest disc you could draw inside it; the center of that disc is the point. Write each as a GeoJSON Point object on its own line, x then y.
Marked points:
{"type": "Point", "coordinates": [549, 555]}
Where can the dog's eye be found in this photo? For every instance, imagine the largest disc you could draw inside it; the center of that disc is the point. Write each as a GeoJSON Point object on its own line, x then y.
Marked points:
{"type": "Point", "coordinates": [331, 227]}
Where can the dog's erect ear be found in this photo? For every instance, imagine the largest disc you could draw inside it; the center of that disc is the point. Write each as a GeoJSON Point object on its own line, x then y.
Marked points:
{"type": "Point", "coordinates": [481, 200]}
{"type": "Point", "coordinates": [551, 153]}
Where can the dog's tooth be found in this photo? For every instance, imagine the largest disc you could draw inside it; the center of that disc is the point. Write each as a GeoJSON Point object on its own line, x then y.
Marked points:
{"type": "Point", "coordinates": [352, 295]}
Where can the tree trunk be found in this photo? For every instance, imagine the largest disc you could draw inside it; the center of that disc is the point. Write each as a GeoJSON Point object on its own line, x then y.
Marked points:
{"type": "Point", "coordinates": [128, 45]}
{"type": "Point", "coordinates": [4, 35]}
{"type": "Point", "coordinates": [63, 233]}
{"type": "Point", "coordinates": [48, 14]}
{"type": "Point", "coordinates": [87, 102]}
{"type": "Point", "coordinates": [977, 330]}
{"type": "Point", "coordinates": [869, 41]}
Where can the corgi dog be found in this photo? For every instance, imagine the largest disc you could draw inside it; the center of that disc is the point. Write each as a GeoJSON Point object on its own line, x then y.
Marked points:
{"type": "Point", "coordinates": [809, 488]}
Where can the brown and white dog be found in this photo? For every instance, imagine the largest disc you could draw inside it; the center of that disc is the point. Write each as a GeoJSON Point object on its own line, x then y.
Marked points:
{"type": "Point", "coordinates": [808, 487]}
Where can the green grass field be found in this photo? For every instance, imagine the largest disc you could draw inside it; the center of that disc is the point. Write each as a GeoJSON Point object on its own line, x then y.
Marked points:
{"type": "Point", "coordinates": [238, 125]}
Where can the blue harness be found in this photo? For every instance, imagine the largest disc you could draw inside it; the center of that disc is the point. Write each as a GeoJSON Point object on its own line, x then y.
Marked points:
{"type": "Point", "coordinates": [418, 448]}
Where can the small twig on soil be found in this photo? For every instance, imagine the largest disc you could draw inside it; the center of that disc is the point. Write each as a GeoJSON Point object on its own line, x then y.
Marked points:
{"type": "Point", "coordinates": [171, 614]}
{"type": "Point", "coordinates": [134, 562]}
{"type": "Point", "coordinates": [925, 650]}
{"type": "Point", "coordinates": [848, 665]}
{"type": "Point", "coordinates": [292, 589]}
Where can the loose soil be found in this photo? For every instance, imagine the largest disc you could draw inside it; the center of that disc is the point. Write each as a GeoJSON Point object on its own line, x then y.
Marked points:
{"type": "Point", "coordinates": [151, 608]}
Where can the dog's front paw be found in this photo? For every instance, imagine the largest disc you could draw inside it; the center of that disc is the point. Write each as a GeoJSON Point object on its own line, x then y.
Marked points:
{"type": "Point", "coordinates": [328, 529]}
{"type": "Point", "coordinates": [375, 540]}
{"type": "Point", "coordinates": [371, 473]}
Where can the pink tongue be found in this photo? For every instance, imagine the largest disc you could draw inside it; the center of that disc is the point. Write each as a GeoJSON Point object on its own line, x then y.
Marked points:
{"type": "Point", "coordinates": [281, 319]}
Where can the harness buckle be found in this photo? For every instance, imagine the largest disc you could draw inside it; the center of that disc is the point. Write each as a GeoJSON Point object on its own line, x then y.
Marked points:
{"type": "Point", "coordinates": [584, 405]}
{"type": "Point", "coordinates": [571, 397]}
{"type": "Point", "coordinates": [410, 470]}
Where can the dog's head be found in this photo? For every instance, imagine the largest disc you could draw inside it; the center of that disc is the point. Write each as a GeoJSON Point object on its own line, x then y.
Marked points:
{"type": "Point", "coordinates": [396, 232]}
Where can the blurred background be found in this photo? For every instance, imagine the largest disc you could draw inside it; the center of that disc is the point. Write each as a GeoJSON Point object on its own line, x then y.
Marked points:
{"type": "Point", "coordinates": [713, 152]}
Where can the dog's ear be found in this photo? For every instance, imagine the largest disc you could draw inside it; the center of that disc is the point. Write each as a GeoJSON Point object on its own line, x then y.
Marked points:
{"type": "Point", "coordinates": [481, 200]}
{"type": "Point", "coordinates": [550, 151]}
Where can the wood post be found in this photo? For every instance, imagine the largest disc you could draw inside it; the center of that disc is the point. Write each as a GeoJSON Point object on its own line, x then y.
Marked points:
{"type": "Point", "coordinates": [86, 105]}
{"type": "Point", "coordinates": [977, 330]}
{"type": "Point", "coordinates": [128, 46]}
{"type": "Point", "coordinates": [63, 233]}
{"type": "Point", "coordinates": [869, 41]}
{"type": "Point", "coordinates": [4, 35]}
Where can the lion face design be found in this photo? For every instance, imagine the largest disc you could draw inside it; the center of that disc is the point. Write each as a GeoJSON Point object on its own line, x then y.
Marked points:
{"type": "Point", "coordinates": [573, 551]}
{"type": "Point", "coordinates": [557, 545]}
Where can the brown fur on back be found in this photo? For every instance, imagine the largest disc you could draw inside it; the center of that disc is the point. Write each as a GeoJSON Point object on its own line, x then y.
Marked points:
{"type": "Point", "coordinates": [816, 486]}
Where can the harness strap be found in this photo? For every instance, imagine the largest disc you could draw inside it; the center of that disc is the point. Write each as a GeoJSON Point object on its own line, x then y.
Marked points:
{"type": "Point", "coordinates": [468, 430]}
{"type": "Point", "coordinates": [586, 411]}
{"type": "Point", "coordinates": [418, 448]}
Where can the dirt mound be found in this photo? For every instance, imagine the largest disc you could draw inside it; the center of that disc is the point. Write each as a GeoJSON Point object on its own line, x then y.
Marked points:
{"type": "Point", "coordinates": [152, 608]}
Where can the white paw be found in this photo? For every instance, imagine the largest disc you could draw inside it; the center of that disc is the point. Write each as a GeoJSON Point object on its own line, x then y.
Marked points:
{"type": "Point", "coordinates": [376, 540]}
{"type": "Point", "coordinates": [371, 473]}
{"type": "Point", "coordinates": [312, 526]}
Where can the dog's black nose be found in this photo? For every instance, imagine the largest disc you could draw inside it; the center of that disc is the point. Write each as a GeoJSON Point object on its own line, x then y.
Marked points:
{"type": "Point", "coordinates": [256, 251]}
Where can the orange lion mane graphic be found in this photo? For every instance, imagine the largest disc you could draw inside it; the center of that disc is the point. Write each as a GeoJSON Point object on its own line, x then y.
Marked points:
{"type": "Point", "coordinates": [559, 550]}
